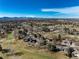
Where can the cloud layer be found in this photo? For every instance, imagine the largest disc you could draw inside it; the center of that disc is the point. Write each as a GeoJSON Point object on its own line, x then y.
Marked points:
{"type": "Point", "coordinates": [15, 15]}
{"type": "Point", "coordinates": [67, 10]}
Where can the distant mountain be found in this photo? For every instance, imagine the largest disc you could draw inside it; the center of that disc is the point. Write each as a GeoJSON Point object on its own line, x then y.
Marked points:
{"type": "Point", "coordinates": [34, 18]}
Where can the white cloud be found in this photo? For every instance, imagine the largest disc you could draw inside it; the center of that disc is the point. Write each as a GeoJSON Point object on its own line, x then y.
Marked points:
{"type": "Point", "coordinates": [15, 15]}
{"type": "Point", "coordinates": [67, 10]}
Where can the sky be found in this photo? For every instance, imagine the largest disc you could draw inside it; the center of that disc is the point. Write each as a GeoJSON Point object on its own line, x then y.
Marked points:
{"type": "Point", "coordinates": [40, 8]}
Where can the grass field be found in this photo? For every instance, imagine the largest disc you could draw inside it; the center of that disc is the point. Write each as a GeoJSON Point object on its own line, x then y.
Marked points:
{"type": "Point", "coordinates": [26, 52]}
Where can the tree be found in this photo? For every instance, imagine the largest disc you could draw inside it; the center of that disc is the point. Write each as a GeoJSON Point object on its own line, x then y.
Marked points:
{"type": "Point", "coordinates": [1, 58]}
{"type": "Point", "coordinates": [53, 48]}
{"type": "Point", "coordinates": [0, 48]}
{"type": "Point", "coordinates": [45, 29]}
{"type": "Point", "coordinates": [59, 37]}
{"type": "Point", "coordinates": [70, 50]}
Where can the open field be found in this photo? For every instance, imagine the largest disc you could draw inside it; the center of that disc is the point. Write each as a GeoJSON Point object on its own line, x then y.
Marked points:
{"type": "Point", "coordinates": [27, 52]}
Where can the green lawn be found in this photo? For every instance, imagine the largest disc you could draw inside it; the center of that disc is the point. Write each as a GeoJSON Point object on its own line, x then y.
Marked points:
{"type": "Point", "coordinates": [10, 36]}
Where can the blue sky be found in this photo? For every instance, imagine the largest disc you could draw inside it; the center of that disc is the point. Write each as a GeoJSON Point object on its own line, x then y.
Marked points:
{"type": "Point", "coordinates": [40, 8]}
